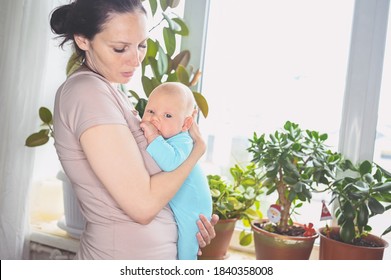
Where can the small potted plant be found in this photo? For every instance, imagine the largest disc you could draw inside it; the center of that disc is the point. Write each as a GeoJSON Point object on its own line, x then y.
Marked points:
{"type": "Point", "coordinates": [233, 202]}
{"type": "Point", "coordinates": [295, 163]}
{"type": "Point", "coordinates": [361, 192]}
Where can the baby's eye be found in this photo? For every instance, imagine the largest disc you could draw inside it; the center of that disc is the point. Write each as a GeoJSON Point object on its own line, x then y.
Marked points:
{"type": "Point", "coordinates": [168, 116]}
{"type": "Point", "coordinates": [150, 111]}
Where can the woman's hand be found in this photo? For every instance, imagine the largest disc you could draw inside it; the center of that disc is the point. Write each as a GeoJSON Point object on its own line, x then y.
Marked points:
{"type": "Point", "coordinates": [207, 232]}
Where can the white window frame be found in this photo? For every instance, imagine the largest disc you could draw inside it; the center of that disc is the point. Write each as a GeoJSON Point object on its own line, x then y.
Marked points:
{"type": "Point", "coordinates": [364, 74]}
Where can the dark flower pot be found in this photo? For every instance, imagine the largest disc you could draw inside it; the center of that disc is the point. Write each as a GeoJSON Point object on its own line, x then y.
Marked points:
{"type": "Point", "coordinates": [331, 249]}
{"type": "Point", "coordinates": [273, 246]}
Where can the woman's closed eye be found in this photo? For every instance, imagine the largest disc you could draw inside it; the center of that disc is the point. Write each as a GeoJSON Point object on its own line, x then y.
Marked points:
{"type": "Point", "coordinates": [119, 50]}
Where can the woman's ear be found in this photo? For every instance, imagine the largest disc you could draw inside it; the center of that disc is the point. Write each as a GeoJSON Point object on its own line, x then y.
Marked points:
{"type": "Point", "coordinates": [187, 123]}
{"type": "Point", "coordinates": [82, 42]}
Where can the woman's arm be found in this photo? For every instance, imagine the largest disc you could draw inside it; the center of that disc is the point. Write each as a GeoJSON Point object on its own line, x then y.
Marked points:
{"type": "Point", "coordinates": [115, 158]}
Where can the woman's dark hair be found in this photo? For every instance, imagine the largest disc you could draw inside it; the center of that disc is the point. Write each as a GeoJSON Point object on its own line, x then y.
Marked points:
{"type": "Point", "coordinates": [86, 18]}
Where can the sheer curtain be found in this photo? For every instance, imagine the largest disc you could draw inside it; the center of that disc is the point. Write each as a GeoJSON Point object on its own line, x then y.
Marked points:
{"type": "Point", "coordinates": [25, 38]}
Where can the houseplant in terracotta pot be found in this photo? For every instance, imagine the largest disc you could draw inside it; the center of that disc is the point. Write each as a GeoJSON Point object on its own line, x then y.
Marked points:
{"type": "Point", "coordinates": [233, 202]}
{"type": "Point", "coordinates": [361, 192]}
{"type": "Point", "coordinates": [295, 162]}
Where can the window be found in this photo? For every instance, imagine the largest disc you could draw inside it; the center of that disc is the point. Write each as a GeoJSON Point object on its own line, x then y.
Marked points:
{"type": "Point", "coordinates": [382, 153]}
{"type": "Point", "coordinates": [267, 62]}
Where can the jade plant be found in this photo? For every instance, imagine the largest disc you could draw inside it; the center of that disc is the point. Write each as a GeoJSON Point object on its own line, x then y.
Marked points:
{"type": "Point", "coordinates": [361, 192]}
{"type": "Point", "coordinates": [295, 163]}
{"type": "Point", "coordinates": [238, 199]}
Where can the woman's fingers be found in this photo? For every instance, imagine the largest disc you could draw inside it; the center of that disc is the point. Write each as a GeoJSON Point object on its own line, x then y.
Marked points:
{"type": "Point", "coordinates": [206, 230]}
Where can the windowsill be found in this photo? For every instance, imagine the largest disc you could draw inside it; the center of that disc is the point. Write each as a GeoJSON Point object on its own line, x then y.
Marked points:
{"type": "Point", "coordinates": [49, 234]}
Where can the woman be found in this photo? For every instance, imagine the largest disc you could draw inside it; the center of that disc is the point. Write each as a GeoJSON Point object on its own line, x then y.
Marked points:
{"type": "Point", "coordinates": [122, 192]}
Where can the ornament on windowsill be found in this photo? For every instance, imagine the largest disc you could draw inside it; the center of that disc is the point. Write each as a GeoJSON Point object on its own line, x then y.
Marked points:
{"type": "Point", "coordinates": [274, 213]}
{"type": "Point", "coordinates": [325, 215]}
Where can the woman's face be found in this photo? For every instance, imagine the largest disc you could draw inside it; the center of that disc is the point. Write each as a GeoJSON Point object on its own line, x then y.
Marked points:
{"type": "Point", "coordinates": [118, 50]}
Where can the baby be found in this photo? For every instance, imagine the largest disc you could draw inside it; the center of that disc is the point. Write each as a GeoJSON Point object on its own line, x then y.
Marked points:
{"type": "Point", "coordinates": [166, 120]}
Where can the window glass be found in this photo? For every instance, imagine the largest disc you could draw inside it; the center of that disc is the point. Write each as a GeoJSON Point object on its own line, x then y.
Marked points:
{"type": "Point", "coordinates": [267, 62]}
{"type": "Point", "coordinates": [382, 154]}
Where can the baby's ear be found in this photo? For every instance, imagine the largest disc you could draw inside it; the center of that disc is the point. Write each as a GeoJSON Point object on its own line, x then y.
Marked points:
{"type": "Point", "coordinates": [187, 123]}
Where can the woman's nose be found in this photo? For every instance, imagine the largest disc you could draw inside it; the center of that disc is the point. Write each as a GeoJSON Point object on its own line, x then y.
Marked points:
{"type": "Point", "coordinates": [134, 59]}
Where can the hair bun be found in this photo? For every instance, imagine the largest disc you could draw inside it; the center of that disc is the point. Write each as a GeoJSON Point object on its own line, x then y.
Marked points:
{"type": "Point", "coordinates": [60, 19]}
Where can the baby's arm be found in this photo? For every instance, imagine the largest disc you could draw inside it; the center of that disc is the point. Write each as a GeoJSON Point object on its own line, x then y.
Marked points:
{"type": "Point", "coordinates": [170, 153]}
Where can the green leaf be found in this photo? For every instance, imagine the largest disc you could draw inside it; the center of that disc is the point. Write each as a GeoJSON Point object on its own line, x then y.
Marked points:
{"type": "Point", "coordinates": [153, 4]}
{"type": "Point", "coordinates": [37, 139]}
{"type": "Point", "coordinates": [289, 180]}
{"type": "Point", "coordinates": [245, 239]}
{"type": "Point", "coordinates": [152, 48]}
{"type": "Point", "coordinates": [74, 62]}
{"type": "Point", "coordinates": [171, 24]}
{"type": "Point", "coordinates": [383, 188]}
{"type": "Point", "coordinates": [169, 41]}
{"type": "Point", "coordinates": [45, 115]}
{"type": "Point", "coordinates": [140, 107]}
{"type": "Point", "coordinates": [183, 75]}
{"type": "Point", "coordinates": [154, 67]}
{"type": "Point", "coordinates": [323, 137]}
{"type": "Point", "coordinates": [375, 206]}
{"type": "Point", "coordinates": [162, 62]}
{"type": "Point", "coordinates": [201, 103]}
{"type": "Point", "coordinates": [348, 211]}
{"type": "Point", "coordinates": [148, 85]}
{"type": "Point", "coordinates": [184, 30]}
{"type": "Point", "coordinates": [134, 94]}
{"type": "Point", "coordinates": [386, 231]}
{"type": "Point", "coordinates": [365, 167]}
{"type": "Point", "coordinates": [164, 4]}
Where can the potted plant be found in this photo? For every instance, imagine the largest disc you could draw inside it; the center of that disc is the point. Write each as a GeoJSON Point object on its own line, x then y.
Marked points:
{"type": "Point", "coordinates": [295, 163]}
{"type": "Point", "coordinates": [233, 202]}
{"type": "Point", "coordinates": [361, 192]}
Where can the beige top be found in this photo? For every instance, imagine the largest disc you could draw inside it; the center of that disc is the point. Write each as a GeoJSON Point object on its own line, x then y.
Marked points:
{"type": "Point", "coordinates": [85, 100]}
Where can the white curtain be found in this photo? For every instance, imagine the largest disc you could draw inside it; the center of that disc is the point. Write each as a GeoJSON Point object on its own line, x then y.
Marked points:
{"type": "Point", "coordinates": [25, 38]}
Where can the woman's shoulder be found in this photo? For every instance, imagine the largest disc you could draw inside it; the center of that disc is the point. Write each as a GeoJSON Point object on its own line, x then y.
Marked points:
{"type": "Point", "coordinates": [85, 76]}
{"type": "Point", "coordinates": [84, 83]}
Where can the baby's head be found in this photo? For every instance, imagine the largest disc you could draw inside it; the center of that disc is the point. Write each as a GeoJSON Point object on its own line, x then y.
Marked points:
{"type": "Point", "coordinates": [170, 107]}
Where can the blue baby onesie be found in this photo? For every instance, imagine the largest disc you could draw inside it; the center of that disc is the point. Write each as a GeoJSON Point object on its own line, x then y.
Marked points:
{"type": "Point", "coordinates": [192, 199]}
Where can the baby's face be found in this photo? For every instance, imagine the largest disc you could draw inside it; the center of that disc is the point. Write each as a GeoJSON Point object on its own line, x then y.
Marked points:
{"type": "Point", "coordinates": [167, 112]}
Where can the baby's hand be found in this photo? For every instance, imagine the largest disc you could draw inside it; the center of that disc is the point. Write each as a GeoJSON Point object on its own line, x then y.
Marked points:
{"type": "Point", "coordinates": [150, 131]}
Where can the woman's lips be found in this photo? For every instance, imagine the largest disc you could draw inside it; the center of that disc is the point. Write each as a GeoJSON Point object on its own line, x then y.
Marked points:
{"type": "Point", "coordinates": [127, 74]}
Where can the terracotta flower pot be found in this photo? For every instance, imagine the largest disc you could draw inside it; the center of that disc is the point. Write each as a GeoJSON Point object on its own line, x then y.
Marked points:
{"type": "Point", "coordinates": [273, 246]}
{"type": "Point", "coordinates": [218, 247]}
{"type": "Point", "coordinates": [331, 249]}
